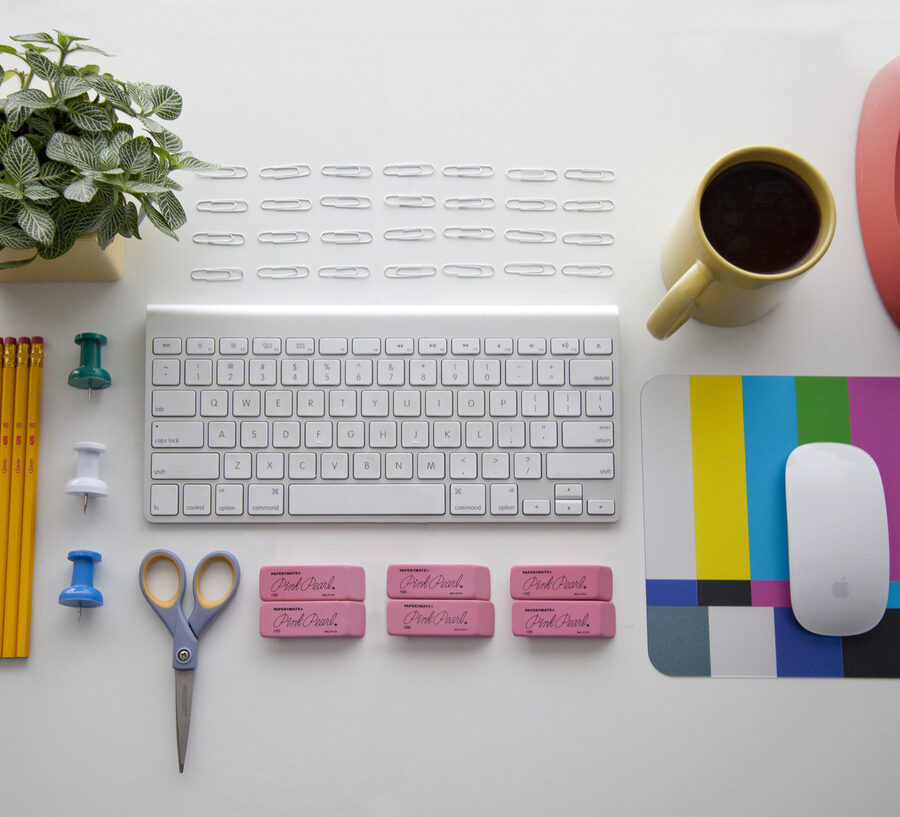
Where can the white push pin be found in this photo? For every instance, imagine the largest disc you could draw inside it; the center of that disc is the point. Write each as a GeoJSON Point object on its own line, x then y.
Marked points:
{"type": "Point", "coordinates": [87, 473]}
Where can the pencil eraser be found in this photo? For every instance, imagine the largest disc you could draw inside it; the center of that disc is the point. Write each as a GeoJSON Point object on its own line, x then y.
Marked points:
{"type": "Point", "coordinates": [9, 341]}
{"type": "Point", "coordinates": [312, 582]}
{"type": "Point", "coordinates": [440, 617]}
{"type": "Point", "coordinates": [561, 582]}
{"type": "Point", "coordinates": [438, 582]}
{"type": "Point", "coordinates": [36, 339]}
{"type": "Point", "coordinates": [24, 339]}
{"type": "Point", "coordinates": [312, 619]}
{"type": "Point", "coordinates": [564, 619]}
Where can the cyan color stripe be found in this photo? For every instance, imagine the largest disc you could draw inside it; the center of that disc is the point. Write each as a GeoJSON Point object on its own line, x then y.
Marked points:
{"type": "Point", "coordinates": [894, 596]}
{"type": "Point", "coordinates": [770, 434]}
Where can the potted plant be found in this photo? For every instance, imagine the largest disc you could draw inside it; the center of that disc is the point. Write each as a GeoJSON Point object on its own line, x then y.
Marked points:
{"type": "Point", "coordinates": [75, 178]}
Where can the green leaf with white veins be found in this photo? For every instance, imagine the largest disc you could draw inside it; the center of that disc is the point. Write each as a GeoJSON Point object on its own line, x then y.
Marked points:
{"type": "Point", "coordinates": [109, 88]}
{"type": "Point", "coordinates": [89, 117]}
{"type": "Point", "coordinates": [15, 237]}
{"type": "Point", "coordinates": [21, 161]}
{"type": "Point", "coordinates": [80, 190]}
{"type": "Point", "coordinates": [40, 37]}
{"type": "Point", "coordinates": [36, 222]}
{"type": "Point", "coordinates": [41, 66]}
{"type": "Point", "coordinates": [136, 155]}
{"type": "Point", "coordinates": [171, 210]}
{"type": "Point", "coordinates": [167, 140]}
{"type": "Point", "coordinates": [10, 191]}
{"type": "Point", "coordinates": [70, 86]}
{"type": "Point", "coordinates": [37, 192]}
{"type": "Point", "coordinates": [166, 102]}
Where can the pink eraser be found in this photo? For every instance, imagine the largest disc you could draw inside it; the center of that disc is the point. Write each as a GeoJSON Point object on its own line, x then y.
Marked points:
{"type": "Point", "coordinates": [312, 582]}
{"type": "Point", "coordinates": [573, 619]}
{"type": "Point", "coordinates": [312, 619]}
{"type": "Point", "coordinates": [440, 617]}
{"type": "Point", "coordinates": [438, 582]}
{"type": "Point", "coordinates": [561, 582]}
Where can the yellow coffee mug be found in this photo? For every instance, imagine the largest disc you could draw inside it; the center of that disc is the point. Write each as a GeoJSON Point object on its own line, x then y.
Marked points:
{"type": "Point", "coordinates": [760, 217]}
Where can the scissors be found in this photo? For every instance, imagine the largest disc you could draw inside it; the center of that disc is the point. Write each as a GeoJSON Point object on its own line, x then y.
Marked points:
{"type": "Point", "coordinates": [186, 631]}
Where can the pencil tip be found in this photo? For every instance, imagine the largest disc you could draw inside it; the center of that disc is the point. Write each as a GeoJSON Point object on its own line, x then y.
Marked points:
{"type": "Point", "coordinates": [84, 504]}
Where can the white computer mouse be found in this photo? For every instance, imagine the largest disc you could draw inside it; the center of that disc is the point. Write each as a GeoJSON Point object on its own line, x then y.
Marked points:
{"type": "Point", "coordinates": [837, 538]}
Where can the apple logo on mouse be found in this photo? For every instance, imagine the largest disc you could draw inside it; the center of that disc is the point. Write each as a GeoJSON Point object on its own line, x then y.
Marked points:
{"type": "Point", "coordinates": [841, 589]}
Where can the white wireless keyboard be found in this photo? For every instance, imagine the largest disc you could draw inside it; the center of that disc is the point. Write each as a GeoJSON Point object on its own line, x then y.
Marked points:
{"type": "Point", "coordinates": [381, 414]}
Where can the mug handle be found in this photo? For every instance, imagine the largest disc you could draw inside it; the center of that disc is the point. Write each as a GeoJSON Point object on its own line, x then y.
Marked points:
{"type": "Point", "coordinates": [678, 304]}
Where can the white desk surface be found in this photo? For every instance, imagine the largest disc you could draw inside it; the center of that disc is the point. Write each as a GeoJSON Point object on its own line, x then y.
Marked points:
{"type": "Point", "coordinates": [386, 726]}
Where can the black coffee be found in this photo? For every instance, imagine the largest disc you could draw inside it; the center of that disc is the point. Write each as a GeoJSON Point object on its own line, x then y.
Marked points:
{"type": "Point", "coordinates": [760, 216]}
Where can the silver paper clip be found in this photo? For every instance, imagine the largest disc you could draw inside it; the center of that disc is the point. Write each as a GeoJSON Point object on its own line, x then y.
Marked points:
{"type": "Point", "coordinates": [469, 171]}
{"type": "Point", "coordinates": [468, 270]}
{"type": "Point", "coordinates": [410, 271]}
{"type": "Point", "coordinates": [409, 234]}
{"type": "Point", "coordinates": [588, 205]}
{"type": "Point", "coordinates": [584, 174]}
{"type": "Point", "coordinates": [346, 202]}
{"type": "Point", "coordinates": [223, 172]}
{"type": "Point", "coordinates": [222, 206]}
{"type": "Point", "coordinates": [283, 237]}
{"type": "Point", "coordinates": [347, 171]}
{"type": "Point", "coordinates": [588, 270]}
{"type": "Point", "coordinates": [531, 236]}
{"type": "Point", "coordinates": [532, 174]}
{"type": "Point", "coordinates": [414, 169]}
{"type": "Point", "coordinates": [470, 203]}
{"type": "Point", "coordinates": [221, 239]}
{"type": "Point", "coordinates": [283, 271]}
{"type": "Point", "coordinates": [291, 205]}
{"type": "Point", "coordinates": [409, 201]}
{"type": "Point", "coordinates": [346, 271]}
{"type": "Point", "coordinates": [589, 239]}
{"type": "Point", "coordinates": [529, 269]}
{"type": "Point", "coordinates": [347, 237]}
{"type": "Point", "coordinates": [531, 205]}
{"type": "Point", "coordinates": [217, 274]}
{"type": "Point", "coordinates": [469, 232]}
{"type": "Point", "coordinates": [284, 171]}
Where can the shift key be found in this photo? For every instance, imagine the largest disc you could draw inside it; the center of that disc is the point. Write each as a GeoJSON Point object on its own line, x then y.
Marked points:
{"type": "Point", "coordinates": [184, 466]}
{"type": "Point", "coordinates": [580, 466]}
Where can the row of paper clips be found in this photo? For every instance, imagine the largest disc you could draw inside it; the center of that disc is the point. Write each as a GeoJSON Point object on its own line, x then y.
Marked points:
{"type": "Point", "coordinates": [283, 271]}
{"type": "Point", "coordinates": [406, 201]}
{"type": "Point", "coordinates": [411, 169]}
{"type": "Point", "coordinates": [225, 239]}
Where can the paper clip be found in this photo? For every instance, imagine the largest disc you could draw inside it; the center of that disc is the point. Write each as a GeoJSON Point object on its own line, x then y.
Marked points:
{"type": "Point", "coordinates": [222, 206]}
{"type": "Point", "coordinates": [469, 232]}
{"type": "Point", "coordinates": [217, 274]}
{"type": "Point", "coordinates": [283, 271]}
{"type": "Point", "coordinates": [284, 171]}
{"type": "Point", "coordinates": [532, 174]}
{"type": "Point", "coordinates": [223, 239]}
{"type": "Point", "coordinates": [409, 201]}
{"type": "Point", "coordinates": [468, 270]}
{"type": "Point", "coordinates": [347, 171]}
{"type": "Point", "coordinates": [529, 269]}
{"type": "Point", "coordinates": [469, 171]}
{"type": "Point", "coordinates": [283, 237]}
{"type": "Point", "coordinates": [589, 239]}
{"type": "Point", "coordinates": [346, 202]}
{"type": "Point", "coordinates": [292, 205]}
{"type": "Point", "coordinates": [410, 271]}
{"type": "Point", "coordinates": [349, 271]}
{"type": "Point", "coordinates": [223, 172]}
{"type": "Point", "coordinates": [531, 205]}
{"type": "Point", "coordinates": [409, 234]}
{"type": "Point", "coordinates": [472, 203]}
{"type": "Point", "coordinates": [588, 205]}
{"type": "Point", "coordinates": [423, 169]}
{"type": "Point", "coordinates": [531, 236]}
{"type": "Point", "coordinates": [582, 174]}
{"type": "Point", "coordinates": [588, 270]}
{"type": "Point", "coordinates": [347, 237]}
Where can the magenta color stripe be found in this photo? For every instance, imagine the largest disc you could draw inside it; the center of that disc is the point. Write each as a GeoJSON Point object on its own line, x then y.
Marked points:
{"type": "Point", "coordinates": [875, 427]}
{"type": "Point", "coordinates": [766, 593]}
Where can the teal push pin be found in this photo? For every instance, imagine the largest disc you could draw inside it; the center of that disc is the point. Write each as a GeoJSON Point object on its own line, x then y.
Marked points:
{"type": "Point", "coordinates": [89, 374]}
{"type": "Point", "coordinates": [82, 593]}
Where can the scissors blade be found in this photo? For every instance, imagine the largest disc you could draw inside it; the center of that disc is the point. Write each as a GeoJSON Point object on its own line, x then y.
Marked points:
{"type": "Point", "coordinates": [184, 693]}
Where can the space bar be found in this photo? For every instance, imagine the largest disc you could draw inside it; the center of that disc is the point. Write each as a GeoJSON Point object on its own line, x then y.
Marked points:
{"type": "Point", "coordinates": [365, 500]}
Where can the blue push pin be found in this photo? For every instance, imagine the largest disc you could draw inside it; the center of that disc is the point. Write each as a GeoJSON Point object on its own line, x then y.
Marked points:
{"type": "Point", "coordinates": [82, 593]}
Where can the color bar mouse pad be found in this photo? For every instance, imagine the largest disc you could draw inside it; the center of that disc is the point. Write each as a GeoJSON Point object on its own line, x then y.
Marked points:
{"type": "Point", "coordinates": [715, 528]}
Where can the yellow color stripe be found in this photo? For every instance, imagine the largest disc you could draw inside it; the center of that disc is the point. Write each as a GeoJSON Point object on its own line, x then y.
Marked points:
{"type": "Point", "coordinates": [720, 478]}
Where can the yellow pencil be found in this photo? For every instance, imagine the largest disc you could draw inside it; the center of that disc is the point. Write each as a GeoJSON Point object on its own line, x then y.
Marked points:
{"type": "Point", "coordinates": [32, 437]}
{"type": "Point", "coordinates": [7, 393]}
{"type": "Point", "coordinates": [17, 485]}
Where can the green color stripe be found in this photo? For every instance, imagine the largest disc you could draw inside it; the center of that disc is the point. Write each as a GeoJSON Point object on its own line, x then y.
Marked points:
{"type": "Point", "coordinates": [823, 412]}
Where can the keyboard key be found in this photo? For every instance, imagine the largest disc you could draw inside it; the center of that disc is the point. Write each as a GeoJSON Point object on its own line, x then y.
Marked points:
{"type": "Point", "coordinates": [265, 500]}
{"type": "Point", "coordinates": [333, 346]}
{"type": "Point", "coordinates": [294, 372]}
{"type": "Point", "coordinates": [455, 372]}
{"type": "Point", "coordinates": [173, 403]}
{"type": "Point", "coordinates": [358, 373]}
{"type": "Point", "coordinates": [269, 466]}
{"type": "Point", "coordinates": [236, 465]}
{"type": "Point", "coordinates": [351, 435]}
{"type": "Point", "coordinates": [447, 434]}
{"type": "Point", "coordinates": [326, 372]}
{"type": "Point", "coordinates": [197, 500]}
{"type": "Point", "coordinates": [266, 346]}
{"type": "Point", "coordinates": [527, 465]}
{"type": "Point", "coordinates": [366, 465]}
{"type": "Point", "coordinates": [429, 466]}
{"type": "Point", "coordinates": [467, 499]}
{"type": "Point", "coordinates": [519, 372]}
{"type": "Point", "coordinates": [551, 372]}
{"type": "Point", "coordinates": [200, 346]}
{"type": "Point", "coordinates": [391, 373]}
{"type": "Point", "coordinates": [503, 403]}
{"type": "Point", "coordinates": [438, 403]}
{"type": "Point", "coordinates": [598, 403]}
{"type": "Point", "coordinates": [511, 434]}
{"type": "Point", "coordinates": [177, 435]}
{"type": "Point", "coordinates": [432, 346]}
{"type": "Point", "coordinates": [564, 346]}
{"type": "Point", "coordinates": [382, 434]}
{"type": "Point", "coordinates": [318, 434]}
{"type": "Point", "coordinates": [335, 466]}
{"type": "Point", "coordinates": [568, 507]}
{"type": "Point", "coordinates": [598, 346]}
{"type": "Point", "coordinates": [233, 346]}
{"type": "Point", "coordinates": [342, 403]}
{"type": "Point", "coordinates": [414, 435]}
{"type": "Point", "coordinates": [279, 404]}
{"type": "Point", "coordinates": [407, 403]}
{"type": "Point", "coordinates": [494, 466]}
{"type": "Point", "coordinates": [590, 372]}
{"type": "Point", "coordinates": [470, 403]}
{"type": "Point", "coordinates": [465, 346]}
{"type": "Point", "coordinates": [587, 435]}
{"type": "Point", "coordinates": [498, 346]}
{"type": "Point", "coordinates": [254, 435]}
{"type": "Point", "coordinates": [504, 499]}
{"type": "Point", "coordinates": [486, 372]}
{"type": "Point", "coordinates": [166, 372]}
{"type": "Point", "coordinates": [479, 435]}
{"type": "Point", "coordinates": [166, 346]}
{"type": "Point", "coordinates": [580, 466]}
{"type": "Point", "coordinates": [535, 403]}
{"type": "Point", "coordinates": [310, 403]}
{"type": "Point", "coordinates": [566, 403]}
{"type": "Point", "coordinates": [198, 372]}
{"type": "Point", "coordinates": [229, 500]}
{"type": "Point", "coordinates": [601, 507]}
{"type": "Point", "coordinates": [164, 500]}
{"type": "Point", "coordinates": [262, 372]}
{"type": "Point", "coordinates": [374, 403]}
{"type": "Point", "coordinates": [399, 346]}
{"type": "Point", "coordinates": [542, 434]}
{"type": "Point", "coordinates": [301, 466]}
{"type": "Point", "coordinates": [366, 346]}
{"type": "Point", "coordinates": [229, 372]}
{"type": "Point", "coordinates": [423, 372]}
{"type": "Point", "coordinates": [532, 346]}
{"type": "Point", "coordinates": [214, 403]}
{"type": "Point", "coordinates": [369, 500]}
{"type": "Point", "coordinates": [286, 435]}
{"type": "Point", "coordinates": [245, 403]}
{"type": "Point", "coordinates": [398, 466]}
{"type": "Point", "coordinates": [463, 466]}
{"type": "Point", "coordinates": [299, 346]}
{"type": "Point", "coordinates": [221, 434]}
{"type": "Point", "coordinates": [536, 507]}
{"type": "Point", "coordinates": [184, 466]}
